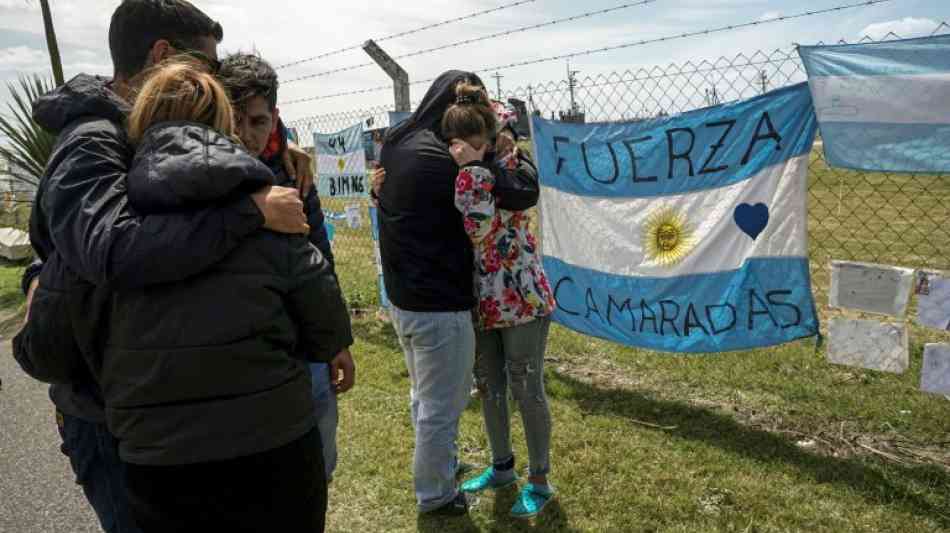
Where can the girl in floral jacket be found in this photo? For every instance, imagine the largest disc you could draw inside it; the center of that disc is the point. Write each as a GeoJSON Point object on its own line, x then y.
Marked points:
{"type": "Point", "coordinates": [515, 300]}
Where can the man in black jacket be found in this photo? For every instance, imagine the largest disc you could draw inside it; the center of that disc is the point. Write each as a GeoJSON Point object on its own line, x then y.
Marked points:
{"type": "Point", "coordinates": [428, 269]}
{"type": "Point", "coordinates": [252, 85]}
{"type": "Point", "coordinates": [82, 213]}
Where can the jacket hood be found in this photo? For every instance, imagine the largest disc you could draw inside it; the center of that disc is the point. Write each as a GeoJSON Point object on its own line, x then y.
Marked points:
{"type": "Point", "coordinates": [82, 96]}
{"type": "Point", "coordinates": [184, 164]}
{"type": "Point", "coordinates": [438, 98]}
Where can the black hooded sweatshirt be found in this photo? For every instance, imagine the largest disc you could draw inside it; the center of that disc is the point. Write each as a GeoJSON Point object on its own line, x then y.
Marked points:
{"type": "Point", "coordinates": [427, 256]}
{"type": "Point", "coordinates": [82, 213]}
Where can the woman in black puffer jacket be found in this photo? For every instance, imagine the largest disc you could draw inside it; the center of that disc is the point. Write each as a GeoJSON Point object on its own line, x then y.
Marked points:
{"type": "Point", "coordinates": [205, 381]}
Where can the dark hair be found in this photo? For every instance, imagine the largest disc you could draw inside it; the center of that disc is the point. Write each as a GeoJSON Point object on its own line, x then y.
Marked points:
{"type": "Point", "coordinates": [471, 114]}
{"type": "Point", "coordinates": [248, 75]}
{"type": "Point", "coordinates": [138, 24]}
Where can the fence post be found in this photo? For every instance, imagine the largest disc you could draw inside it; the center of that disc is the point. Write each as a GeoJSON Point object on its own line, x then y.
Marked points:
{"type": "Point", "coordinates": [398, 74]}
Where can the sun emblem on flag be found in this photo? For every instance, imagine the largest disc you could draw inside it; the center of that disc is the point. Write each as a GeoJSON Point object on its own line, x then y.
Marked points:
{"type": "Point", "coordinates": [341, 164]}
{"type": "Point", "coordinates": [668, 237]}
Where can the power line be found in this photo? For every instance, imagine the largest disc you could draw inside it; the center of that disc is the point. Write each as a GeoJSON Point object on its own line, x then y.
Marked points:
{"type": "Point", "coordinates": [780, 18]}
{"type": "Point", "coordinates": [410, 32]}
{"type": "Point", "coordinates": [474, 40]}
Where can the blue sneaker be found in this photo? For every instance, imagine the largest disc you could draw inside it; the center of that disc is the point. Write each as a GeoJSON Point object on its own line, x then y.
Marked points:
{"type": "Point", "coordinates": [532, 501]}
{"type": "Point", "coordinates": [486, 481]}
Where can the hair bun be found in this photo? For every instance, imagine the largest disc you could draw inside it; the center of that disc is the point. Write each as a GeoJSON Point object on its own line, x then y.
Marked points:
{"type": "Point", "coordinates": [467, 93]}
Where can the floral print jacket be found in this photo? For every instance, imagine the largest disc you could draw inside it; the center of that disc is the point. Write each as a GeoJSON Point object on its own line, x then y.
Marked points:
{"type": "Point", "coordinates": [512, 286]}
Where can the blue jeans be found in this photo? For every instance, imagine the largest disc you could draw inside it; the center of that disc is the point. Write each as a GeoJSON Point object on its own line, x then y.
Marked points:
{"type": "Point", "coordinates": [440, 353]}
{"type": "Point", "coordinates": [324, 399]}
{"type": "Point", "coordinates": [94, 455]}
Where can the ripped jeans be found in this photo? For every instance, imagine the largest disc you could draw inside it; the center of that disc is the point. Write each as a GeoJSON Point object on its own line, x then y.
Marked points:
{"type": "Point", "coordinates": [516, 353]}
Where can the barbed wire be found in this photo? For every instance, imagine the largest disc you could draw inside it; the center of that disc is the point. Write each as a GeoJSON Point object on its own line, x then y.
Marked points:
{"type": "Point", "coordinates": [721, 29]}
{"type": "Point", "coordinates": [410, 32]}
{"type": "Point", "coordinates": [709, 31]}
{"type": "Point", "coordinates": [456, 44]}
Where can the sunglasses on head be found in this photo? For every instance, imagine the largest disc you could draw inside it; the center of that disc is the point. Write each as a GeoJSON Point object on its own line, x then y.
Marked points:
{"type": "Point", "coordinates": [213, 64]}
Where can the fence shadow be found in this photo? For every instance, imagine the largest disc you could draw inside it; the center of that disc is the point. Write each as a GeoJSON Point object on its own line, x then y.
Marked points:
{"type": "Point", "coordinates": [724, 432]}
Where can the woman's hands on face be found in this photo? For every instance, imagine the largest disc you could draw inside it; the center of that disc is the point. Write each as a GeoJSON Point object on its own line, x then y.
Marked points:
{"type": "Point", "coordinates": [463, 153]}
{"type": "Point", "coordinates": [504, 145]}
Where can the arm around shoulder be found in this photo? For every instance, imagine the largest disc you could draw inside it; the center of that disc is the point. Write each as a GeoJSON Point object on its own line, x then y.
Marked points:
{"type": "Point", "coordinates": [98, 233]}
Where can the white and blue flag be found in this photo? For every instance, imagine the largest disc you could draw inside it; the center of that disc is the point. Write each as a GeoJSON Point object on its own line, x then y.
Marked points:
{"type": "Point", "coordinates": [684, 233]}
{"type": "Point", "coordinates": [883, 106]}
{"type": "Point", "coordinates": [341, 163]}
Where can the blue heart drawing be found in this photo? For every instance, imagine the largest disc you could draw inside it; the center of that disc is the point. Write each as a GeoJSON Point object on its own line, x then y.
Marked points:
{"type": "Point", "coordinates": [752, 219]}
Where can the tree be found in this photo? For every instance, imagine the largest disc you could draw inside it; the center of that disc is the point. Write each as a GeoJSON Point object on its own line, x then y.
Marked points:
{"type": "Point", "coordinates": [51, 43]}
{"type": "Point", "coordinates": [29, 145]}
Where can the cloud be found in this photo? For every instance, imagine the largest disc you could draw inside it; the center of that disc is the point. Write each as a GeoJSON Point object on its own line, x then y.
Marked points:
{"type": "Point", "coordinates": [21, 57]}
{"type": "Point", "coordinates": [19, 5]}
{"type": "Point", "coordinates": [769, 15]}
{"type": "Point", "coordinates": [906, 27]}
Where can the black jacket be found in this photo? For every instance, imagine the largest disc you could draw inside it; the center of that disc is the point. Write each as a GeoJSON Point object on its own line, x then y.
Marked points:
{"type": "Point", "coordinates": [82, 213]}
{"type": "Point", "coordinates": [212, 367]}
{"type": "Point", "coordinates": [315, 216]}
{"type": "Point", "coordinates": [427, 256]}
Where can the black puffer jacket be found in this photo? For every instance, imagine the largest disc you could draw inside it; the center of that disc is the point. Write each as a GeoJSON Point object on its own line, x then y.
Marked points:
{"type": "Point", "coordinates": [213, 367]}
{"type": "Point", "coordinates": [83, 222]}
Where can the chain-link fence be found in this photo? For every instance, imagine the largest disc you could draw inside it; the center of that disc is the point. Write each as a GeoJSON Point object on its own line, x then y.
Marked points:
{"type": "Point", "coordinates": [899, 219]}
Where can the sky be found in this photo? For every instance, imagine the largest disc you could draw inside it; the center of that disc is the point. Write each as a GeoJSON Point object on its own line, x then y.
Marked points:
{"type": "Point", "coordinates": [287, 30]}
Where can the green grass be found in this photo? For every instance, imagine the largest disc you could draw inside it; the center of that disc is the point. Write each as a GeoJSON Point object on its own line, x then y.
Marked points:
{"type": "Point", "coordinates": [767, 440]}
{"type": "Point", "coordinates": [11, 296]}
{"type": "Point", "coordinates": [727, 460]}
{"type": "Point", "coordinates": [760, 441]}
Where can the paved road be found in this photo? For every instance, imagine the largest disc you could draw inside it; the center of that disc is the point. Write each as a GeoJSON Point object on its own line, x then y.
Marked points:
{"type": "Point", "coordinates": [38, 493]}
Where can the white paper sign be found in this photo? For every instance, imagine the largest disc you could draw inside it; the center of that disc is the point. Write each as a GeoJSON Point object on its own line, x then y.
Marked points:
{"type": "Point", "coordinates": [933, 304]}
{"type": "Point", "coordinates": [870, 288]}
{"type": "Point", "coordinates": [935, 375]}
{"type": "Point", "coordinates": [868, 344]}
{"type": "Point", "coordinates": [353, 217]}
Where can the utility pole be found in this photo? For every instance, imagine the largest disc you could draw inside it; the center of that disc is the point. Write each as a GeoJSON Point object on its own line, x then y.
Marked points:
{"type": "Point", "coordinates": [498, 78]}
{"type": "Point", "coordinates": [398, 74]}
{"type": "Point", "coordinates": [51, 44]}
{"type": "Point", "coordinates": [571, 84]}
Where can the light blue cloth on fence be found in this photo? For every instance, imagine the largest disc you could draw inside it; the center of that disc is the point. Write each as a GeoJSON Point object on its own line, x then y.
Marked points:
{"type": "Point", "coordinates": [883, 106]}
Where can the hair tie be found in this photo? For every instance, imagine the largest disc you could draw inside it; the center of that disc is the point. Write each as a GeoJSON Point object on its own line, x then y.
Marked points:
{"type": "Point", "coordinates": [466, 99]}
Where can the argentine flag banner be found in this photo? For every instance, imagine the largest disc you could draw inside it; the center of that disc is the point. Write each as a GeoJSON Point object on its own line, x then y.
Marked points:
{"type": "Point", "coordinates": [685, 233]}
{"type": "Point", "coordinates": [341, 163]}
{"type": "Point", "coordinates": [883, 106]}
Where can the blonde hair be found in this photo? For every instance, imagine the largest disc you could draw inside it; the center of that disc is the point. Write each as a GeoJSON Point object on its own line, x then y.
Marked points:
{"type": "Point", "coordinates": [470, 115]}
{"type": "Point", "coordinates": [181, 89]}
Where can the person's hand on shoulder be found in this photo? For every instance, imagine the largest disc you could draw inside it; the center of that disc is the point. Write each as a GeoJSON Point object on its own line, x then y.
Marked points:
{"type": "Point", "coordinates": [505, 146]}
{"type": "Point", "coordinates": [299, 166]}
{"type": "Point", "coordinates": [376, 184]}
{"type": "Point", "coordinates": [282, 209]}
